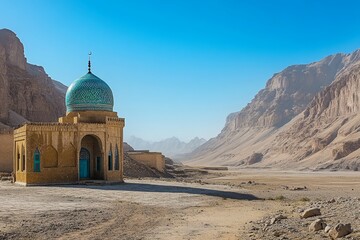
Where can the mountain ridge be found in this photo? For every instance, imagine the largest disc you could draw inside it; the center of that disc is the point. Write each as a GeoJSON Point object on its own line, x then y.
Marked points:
{"type": "Point", "coordinates": [258, 134]}
{"type": "Point", "coordinates": [27, 93]}
{"type": "Point", "coordinates": [171, 147]}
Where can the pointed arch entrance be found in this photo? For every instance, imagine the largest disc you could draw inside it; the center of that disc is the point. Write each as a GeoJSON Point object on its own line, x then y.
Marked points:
{"type": "Point", "coordinates": [91, 158]}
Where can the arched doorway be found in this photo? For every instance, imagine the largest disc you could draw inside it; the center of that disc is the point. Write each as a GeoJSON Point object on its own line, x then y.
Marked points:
{"type": "Point", "coordinates": [91, 163]}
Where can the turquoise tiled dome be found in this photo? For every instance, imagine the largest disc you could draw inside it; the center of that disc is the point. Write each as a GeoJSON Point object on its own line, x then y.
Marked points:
{"type": "Point", "coordinates": [89, 93]}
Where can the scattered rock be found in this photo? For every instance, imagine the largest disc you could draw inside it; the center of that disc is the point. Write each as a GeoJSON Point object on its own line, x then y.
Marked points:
{"type": "Point", "coordinates": [277, 218]}
{"type": "Point", "coordinates": [317, 225]}
{"type": "Point", "coordinates": [311, 212]}
{"type": "Point", "coordinates": [340, 230]}
{"type": "Point", "coordinates": [277, 233]}
{"type": "Point", "coordinates": [327, 229]}
{"type": "Point", "coordinates": [253, 228]}
{"type": "Point", "coordinates": [6, 179]}
{"type": "Point", "coordinates": [298, 188]}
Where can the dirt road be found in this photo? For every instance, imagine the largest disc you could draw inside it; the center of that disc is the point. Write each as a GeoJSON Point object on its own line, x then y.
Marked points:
{"type": "Point", "coordinates": [231, 205]}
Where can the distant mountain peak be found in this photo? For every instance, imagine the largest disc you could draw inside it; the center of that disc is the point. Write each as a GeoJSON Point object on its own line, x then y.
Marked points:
{"type": "Point", "coordinates": [170, 146]}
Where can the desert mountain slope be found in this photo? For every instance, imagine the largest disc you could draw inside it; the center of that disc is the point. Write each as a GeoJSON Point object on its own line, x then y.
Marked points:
{"type": "Point", "coordinates": [170, 147]}
{"type": "Point", "coordinates": [327, 133]}
{"type": "Point", "coordinates": [287, 93]}
{"type": "Point", "coordinates": [270, 130]}
{"type": "Point", "coordinates": [27, 93]}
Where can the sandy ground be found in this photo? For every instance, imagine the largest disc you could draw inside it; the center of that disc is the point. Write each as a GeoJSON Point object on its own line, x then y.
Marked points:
{"type": "Point", "coordinates": [219, 205]}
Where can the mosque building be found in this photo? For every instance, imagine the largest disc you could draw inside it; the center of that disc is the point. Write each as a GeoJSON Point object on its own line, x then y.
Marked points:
{"type": "Point", "coordinates": [86, 144]}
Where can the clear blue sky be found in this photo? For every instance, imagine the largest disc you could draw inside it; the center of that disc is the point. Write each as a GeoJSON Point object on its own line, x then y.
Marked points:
{"type": "Point", "coordinates": [178, 68]}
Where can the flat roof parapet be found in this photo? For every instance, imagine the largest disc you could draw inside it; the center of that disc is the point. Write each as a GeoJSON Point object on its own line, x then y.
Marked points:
{"type": "Point", "coordinates": [142, 151]}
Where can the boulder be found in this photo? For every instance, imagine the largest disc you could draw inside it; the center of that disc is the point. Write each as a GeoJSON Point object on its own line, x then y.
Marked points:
{"type": "Point", "coordinates": [317, 225]}
{"type": "Point", "coordinates": [340, 230]}
{"type": "Point", "coordinates": [327, 229]}
{"type": "Point", "coordinates": [277, 218]}
{"type": "Point", "coordinates": [255, 158]}
{"type": "Point", "coordinates": [311, 212]}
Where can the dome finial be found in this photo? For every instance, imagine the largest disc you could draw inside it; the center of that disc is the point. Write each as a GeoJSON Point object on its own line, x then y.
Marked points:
{"type": "Point", "coordinates": [89, 64]}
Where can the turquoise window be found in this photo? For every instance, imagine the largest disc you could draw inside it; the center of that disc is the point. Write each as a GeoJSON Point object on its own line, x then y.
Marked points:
{"type": "Point", "coordinates": [36, 160]}
{"type": "Point", "coordinates": [110, 160]}
{"type": "Point", "coordinates": [117, 158]}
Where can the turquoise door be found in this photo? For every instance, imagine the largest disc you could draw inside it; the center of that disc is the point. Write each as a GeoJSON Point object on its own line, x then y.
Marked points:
{"type": "Point", "coordinates": [84, 169]}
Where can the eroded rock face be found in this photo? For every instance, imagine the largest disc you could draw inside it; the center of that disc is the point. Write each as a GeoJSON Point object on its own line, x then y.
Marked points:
{"type": "Point", "coordinates": [26, 91]}
{"type": "Point", "coordinates": [329, 125]}
{"type": "Point", "coordinates": [307, 116]}
{"type": "Point", "coordinates": [288, 93]}
{"type": "Point", "coordinates": [340, 98]}
{"type": "Point", "coordinates": [4, 87]}
{"type": "Point", "coordinates": [14, 49]}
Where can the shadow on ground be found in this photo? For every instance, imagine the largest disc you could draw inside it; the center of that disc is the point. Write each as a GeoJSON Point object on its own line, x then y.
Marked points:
{"type": "Point", "coordinates": [147, 187]}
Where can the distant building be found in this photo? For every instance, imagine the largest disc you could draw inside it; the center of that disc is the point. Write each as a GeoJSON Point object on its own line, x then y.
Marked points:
{"type": "Point", "coordinates": [151, 159]}
{"type": "Point", "coordinates": [85, 144]}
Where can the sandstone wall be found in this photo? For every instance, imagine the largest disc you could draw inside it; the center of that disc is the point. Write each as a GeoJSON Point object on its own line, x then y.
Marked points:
{"type": "Point", "coordinates": [59, 146]}
{"type": "Point", "coordinates": [6, 152]}
{"type": "Point", "coordinates": [151, 159]}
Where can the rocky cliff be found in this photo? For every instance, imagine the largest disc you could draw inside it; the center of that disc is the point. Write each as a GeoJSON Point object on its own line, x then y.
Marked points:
{"type": "Point", "coordinates": [289, 92]}
{"type": "Point", "coordinates": [286, 124]}
{"type": "Point", "coordinates": [27, 93]}
{"type": "Point", "coordinates": [327, 133]}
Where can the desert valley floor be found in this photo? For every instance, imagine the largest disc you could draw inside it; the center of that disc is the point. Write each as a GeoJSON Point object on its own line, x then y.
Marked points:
{"type": "Point", "coordinates": [234, 204]}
